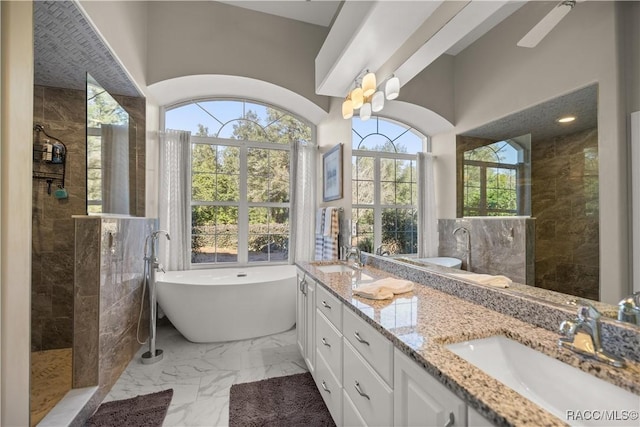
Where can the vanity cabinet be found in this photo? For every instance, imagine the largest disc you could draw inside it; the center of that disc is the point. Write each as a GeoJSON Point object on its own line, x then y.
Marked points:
{"type": "Point", "coordinates": [371, 396]}
{"type": "Point", "coordinates": [305, 319]}
{"type": "Point", "coordinates": [362, 378]}
{"type": "Point", "coordinates": [420, 400]}
{"type": "Point", "coordinates": [328, 348]}
{"type": "Point", "coordinates": [474, 419]}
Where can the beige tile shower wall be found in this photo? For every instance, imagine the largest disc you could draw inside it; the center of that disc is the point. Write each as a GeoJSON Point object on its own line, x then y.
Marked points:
{"type": "Point", "coordinates": [565, 202]}
{"type": "Point", "coordinates": [62, 112]}
{"type": "Point", "coordinates": [108, 290]}
{"type": "Point", "coordinates": [498, 245]}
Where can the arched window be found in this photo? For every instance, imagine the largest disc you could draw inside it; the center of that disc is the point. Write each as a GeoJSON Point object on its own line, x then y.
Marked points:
{"type": "Point", "coordinates": [494, 179]}
{"type": "Point", "coordinates": [384, 185]}
{"type": "Point", "coordinates": [239, 178]}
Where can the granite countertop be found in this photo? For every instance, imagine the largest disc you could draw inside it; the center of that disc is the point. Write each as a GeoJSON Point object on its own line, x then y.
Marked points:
{"type": "Point", "coordinates": [420, 323]}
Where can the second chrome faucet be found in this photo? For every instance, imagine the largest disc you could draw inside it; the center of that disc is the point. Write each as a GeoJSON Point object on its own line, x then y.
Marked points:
{"type": "Point", "coordinates": [583, 336]}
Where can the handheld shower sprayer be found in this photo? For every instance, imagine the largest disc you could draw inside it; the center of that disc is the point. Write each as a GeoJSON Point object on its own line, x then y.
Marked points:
{"type": "Point", "coordinates": [152, 266]}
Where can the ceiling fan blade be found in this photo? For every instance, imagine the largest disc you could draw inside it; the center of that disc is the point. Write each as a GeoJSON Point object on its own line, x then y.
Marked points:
{"type": "Point", "coordinates": [546, 24]}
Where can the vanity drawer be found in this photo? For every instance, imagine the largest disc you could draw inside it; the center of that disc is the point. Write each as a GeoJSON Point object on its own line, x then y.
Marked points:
{"type": "Point", "coordinates": [330, 389]}
{"type": "Point", "coordinates": [371, 344]}
{"type": "Point", "coordinates": [330, 306]}
{"type": "Point", "coordinates": [329, 344]}
{"type": "Point", "coordinates": [369, 393]}
{"type": "Point", "coordinates": [350, 415]}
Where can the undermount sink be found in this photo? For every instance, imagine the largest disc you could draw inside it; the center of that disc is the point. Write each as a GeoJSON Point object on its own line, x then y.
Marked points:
{"type": "Point", "coordinates": [567, 392]}
{"type": "Point", "coordinates": [335, 268]}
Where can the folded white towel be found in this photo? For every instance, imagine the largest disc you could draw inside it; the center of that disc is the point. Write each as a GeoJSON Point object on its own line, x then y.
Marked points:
{"type": "Point", "coordinates": [384, 288]}
{"type": "Point", "coordinates": [486, 279]}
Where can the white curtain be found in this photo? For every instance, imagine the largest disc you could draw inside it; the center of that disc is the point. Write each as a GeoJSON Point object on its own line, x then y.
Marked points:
{"type": "Point", "coordinates": [303, 196]}
{"type": "Point", "coordinates": [427, 221]}
{"type": "Point", "coordinates": [115, 168]}
{"type": "Point", "coordinates": [173, 198]}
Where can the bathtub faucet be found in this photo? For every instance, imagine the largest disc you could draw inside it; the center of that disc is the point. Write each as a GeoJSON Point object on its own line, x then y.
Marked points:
{"type": "Point", "coordinates": [153, 257]}
{"type": "Point", "coordinates": [152, 265]}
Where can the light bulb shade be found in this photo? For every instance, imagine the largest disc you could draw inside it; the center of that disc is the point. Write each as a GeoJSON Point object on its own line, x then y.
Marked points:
{"type": "Point", "coordinates": [369, 84]}
{"type": "Point", "coordinates": [347, 109]}
{"type": "Point", "coordinates": [377, 101]}
{"type": "Point", "coordinates": [392, 88]}
{"type": "Point", "coordinates": [357, 98]}
{"type": "Point", "coordinates": [365, 111]}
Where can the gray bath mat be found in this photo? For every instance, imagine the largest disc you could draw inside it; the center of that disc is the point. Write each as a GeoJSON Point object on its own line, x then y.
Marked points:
{"type": "Point", "coordinates": [293, 400]}
{"type": "Point", "coordinates": [147, 410]}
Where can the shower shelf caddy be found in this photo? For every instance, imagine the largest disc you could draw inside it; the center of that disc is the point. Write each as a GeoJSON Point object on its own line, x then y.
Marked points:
{"type": "Point", "coordinates": [47, 170]}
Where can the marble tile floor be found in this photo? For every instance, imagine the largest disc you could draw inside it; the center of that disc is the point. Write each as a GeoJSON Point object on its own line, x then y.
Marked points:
{"type": "Point", "coordinates": [201, 375]}
{"type": "Point", "coordinates": [50, 380]}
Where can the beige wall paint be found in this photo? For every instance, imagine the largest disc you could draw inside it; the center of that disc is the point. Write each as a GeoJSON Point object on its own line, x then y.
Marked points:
{"type": "Point", "coordinates": [331, 131]}
{"type": "Point", "coordinates": [190, 38]}
{"type": "Point", "coordinates": [432, 88]}
{"type": "Point", "coordinates": [15, 202]}
{"type": "Point", "coordinates": [494, 78]}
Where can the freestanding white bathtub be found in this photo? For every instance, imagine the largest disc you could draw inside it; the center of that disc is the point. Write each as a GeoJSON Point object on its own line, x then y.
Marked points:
{"type": "Point", "coordinates": [228, 304]}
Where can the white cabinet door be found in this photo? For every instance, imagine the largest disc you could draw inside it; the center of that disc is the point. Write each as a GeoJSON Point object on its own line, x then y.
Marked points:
{"type": "Point", "coordinates": [420, 400]}
{"type": "Point", "coordinates": [329, 388]}
{"type": "Point", "coordinates": [477, 420]}
{"type": "Point", "coordinates": [310, 325]}
{"type": "Point", "coordinates": [301, 320]}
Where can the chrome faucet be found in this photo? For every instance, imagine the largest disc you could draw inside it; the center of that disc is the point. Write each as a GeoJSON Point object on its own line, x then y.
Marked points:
{"type": "Point", "coordinates": [354, 251]}
{"type": "Point", "coordinates": [465, 231]}
{"type": "Point", "coordinates": [629, 309]}
{"type": "Point", "coordinates": [152, 266]}
{"type": "Point", "coordinates": [153, 257]}
{"type": "Point", "coordinates": [582, 336]}
{"type": "Point", "coordinates": [380, 250]}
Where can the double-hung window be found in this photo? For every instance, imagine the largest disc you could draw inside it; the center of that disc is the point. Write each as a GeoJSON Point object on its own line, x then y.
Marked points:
{"type": "Point", "coordinates": [384, 186]}
{"type": "Point", "coordinates": [240, 189]}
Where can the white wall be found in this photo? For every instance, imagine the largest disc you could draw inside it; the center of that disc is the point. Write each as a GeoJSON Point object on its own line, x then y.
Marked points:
{"type": "Point", "coordinates": [494, 78]}
{"type": "Point", "coordinates": [192, 38]}
{"type": "Point", "coordinates": [15, 209]}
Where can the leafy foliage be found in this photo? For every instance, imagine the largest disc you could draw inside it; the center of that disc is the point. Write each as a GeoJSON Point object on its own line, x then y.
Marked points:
{"type": "Point", "coordinates": [216, 178]}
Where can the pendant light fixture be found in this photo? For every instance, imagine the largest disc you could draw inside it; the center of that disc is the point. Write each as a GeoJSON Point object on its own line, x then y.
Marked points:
{"type": "Point", "coordinates": [365, 111]}
{"type": "Point", "coordinates": [367, 97]}
{"type": "Point", "coordinates": [392, 88]}
{"type": "Point", "coordinates": [369, 84]}
{"type": "Point", "coordinates": [347, 108]}
{"type": "Point", "coordinates": [377, 101]}
{"type": "Point", "coordinates": [357, 97]}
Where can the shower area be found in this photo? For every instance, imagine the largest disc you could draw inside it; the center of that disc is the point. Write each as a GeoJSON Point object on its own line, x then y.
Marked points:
{"type": "Point", "coordinates": [87, 271]}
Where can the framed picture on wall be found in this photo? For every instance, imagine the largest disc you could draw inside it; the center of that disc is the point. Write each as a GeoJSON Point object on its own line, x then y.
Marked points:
{"type": "Point", "coordinates": [332, 174]}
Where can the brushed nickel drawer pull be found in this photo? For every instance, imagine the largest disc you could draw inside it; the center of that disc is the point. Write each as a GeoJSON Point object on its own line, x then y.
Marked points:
{"type": "Point", "coordinates": [324, 304]}
{"type": "Point", "coordinates": [360, 392]}
{"type": "Point", "coordinates": [450, 421]}
{"type": "Point", "coordinates": [324, 341]}
{"type": "Point", "coordinates": [324, 387]}
{"type": "Point", "coordinates": [359, 338]}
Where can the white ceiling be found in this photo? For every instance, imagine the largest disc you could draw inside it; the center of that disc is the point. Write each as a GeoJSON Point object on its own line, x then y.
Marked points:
{"type": "Point", "coordinates": [319, 12]}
